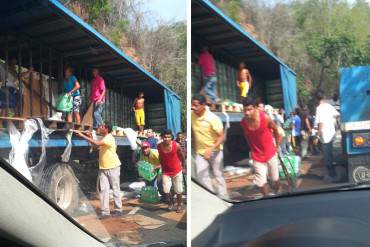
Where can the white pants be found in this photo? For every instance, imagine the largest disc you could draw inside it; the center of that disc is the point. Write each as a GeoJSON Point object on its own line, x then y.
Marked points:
{"type": "Point", "coordinates": [177, 183]}
{"type": "Point", "coordinates": [262, 171]}
{"type": "Point", "coordinates": [203, 172]}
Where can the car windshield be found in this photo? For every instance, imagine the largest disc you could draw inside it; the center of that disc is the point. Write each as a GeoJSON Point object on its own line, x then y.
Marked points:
{"type": "Point", "coordinates": [268, 117]}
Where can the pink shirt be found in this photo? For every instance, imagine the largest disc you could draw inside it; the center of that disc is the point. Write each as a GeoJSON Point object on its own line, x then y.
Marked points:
{"type": "Point", "coordinates": [97, 88]}
{"type": "Point", "coordinates": [207, 63]}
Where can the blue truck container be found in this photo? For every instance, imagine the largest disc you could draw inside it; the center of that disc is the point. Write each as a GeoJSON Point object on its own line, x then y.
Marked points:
{"type": "Point", "coordinates": [354, 88]}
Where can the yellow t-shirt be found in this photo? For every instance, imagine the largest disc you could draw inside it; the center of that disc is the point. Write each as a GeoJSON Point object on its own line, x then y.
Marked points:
{"type": "Point", "coordinates": [108, 157]}
{"type": "Point", "coordinates": [205, 130]}
{"type": "Point", "coordinates": [153, 157]}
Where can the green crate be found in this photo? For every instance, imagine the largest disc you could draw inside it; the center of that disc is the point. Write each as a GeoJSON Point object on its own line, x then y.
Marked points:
{"type": "Point", "coordinates": [149, 194]}
{"type": "Point", "coordinates": [146, 171]}
{"type": "Point", "coordinates": [293, 165]}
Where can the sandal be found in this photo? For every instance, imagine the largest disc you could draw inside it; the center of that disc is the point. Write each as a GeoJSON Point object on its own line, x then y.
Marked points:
{"type": "Point", "coordinates": [179, 209]}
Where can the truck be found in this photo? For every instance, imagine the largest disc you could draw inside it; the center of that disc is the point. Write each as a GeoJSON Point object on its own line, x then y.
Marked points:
{"type": "Point", "coordinates": [354, 88]}
{"type": "Point", "coordinates": [274, 82]}
{"type": "Point", "coordinates": [45, 35]}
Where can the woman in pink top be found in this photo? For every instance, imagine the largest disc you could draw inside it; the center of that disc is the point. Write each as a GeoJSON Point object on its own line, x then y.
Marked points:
{"type": "Point", "coordinates": [259, 130]}
{"type": "Point", "coordinates": [97, 96]}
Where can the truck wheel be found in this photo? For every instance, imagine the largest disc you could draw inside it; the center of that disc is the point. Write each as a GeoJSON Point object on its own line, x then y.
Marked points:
{"type": "Point", "coordinates": [61, 185]}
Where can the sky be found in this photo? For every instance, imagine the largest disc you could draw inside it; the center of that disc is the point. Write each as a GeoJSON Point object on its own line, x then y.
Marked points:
{"type": "Point", "coordinates": [167, 10]}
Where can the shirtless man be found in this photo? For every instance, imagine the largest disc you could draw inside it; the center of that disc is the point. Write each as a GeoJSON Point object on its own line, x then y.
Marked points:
{"type": "Point", "coordinates": [244, 81]}
{"type": "Point", "coordinates": [138, 108]}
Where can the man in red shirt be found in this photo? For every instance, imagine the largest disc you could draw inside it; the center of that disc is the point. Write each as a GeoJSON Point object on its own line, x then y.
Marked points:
{"type": "Point", "coordinates": [260, 131]}
{"type": "Point", "coordinates": [207, 64]}
{"type": "Point", "coordinates": [171, 159]}
{"type": "Point", "coordinates": [97, 96]}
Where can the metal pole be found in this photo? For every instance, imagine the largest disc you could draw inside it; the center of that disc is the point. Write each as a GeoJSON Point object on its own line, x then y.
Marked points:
{"type": "Point", "coordinates": [50, 86]}
{"type": "Point", "coordinates": [41, 85]}
{"type": "Point", "coordinates": [30, 80]}
{"type": "Point", "coordinates": [20, 100]}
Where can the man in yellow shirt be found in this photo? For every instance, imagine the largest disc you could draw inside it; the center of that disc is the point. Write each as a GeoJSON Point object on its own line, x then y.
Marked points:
{"type": "Point", "coordinates": [152, 157]}
{"type": "Point", "coordinates": [207, 130]}
{"type": "Point", "coordinates": [109, 170]}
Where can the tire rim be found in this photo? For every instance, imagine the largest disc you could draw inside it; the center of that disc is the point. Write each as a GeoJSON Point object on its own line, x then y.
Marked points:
{"type": "Point", "coordinates": [64, 192]}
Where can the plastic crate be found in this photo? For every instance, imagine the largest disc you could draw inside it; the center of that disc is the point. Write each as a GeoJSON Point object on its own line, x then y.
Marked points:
{"type": "Point", "coordinates": [146, 171]}
{"type": "Point", "coordinates": [293, 165]}
{"type": "Point", "coordinates": [149, 194]}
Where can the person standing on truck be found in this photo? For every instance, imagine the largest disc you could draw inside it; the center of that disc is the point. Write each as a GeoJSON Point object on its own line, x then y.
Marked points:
{"type": "Point", "coordinates": [138, 108]}
{"type": "Point", "coordinates": [172, 160]}
{"type": "Point", "coordinates": [9, 84]}
{"type": "Point", "coordinates": [109, 170]}
{"type": "Point", "coordinates": [72, 89]}
{"type": "Point", "coordinates": [97, 96]}
{"type": "Point", "coordinates": [260, 131]}
{"type": "Point", "coordinates": [208, 133]}
{"type": "Point", "coordinates": [326, 116]}
{"type": "Point", "coordinates": [244, 81]}
{"type": "Point", "coordinates": [207, 65]}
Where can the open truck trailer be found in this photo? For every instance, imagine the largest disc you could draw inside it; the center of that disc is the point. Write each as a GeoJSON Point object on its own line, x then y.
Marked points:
{"type": "Point", "coordinates": [45, 35]}
{"type": "Point", "coordinates": [273, 81]}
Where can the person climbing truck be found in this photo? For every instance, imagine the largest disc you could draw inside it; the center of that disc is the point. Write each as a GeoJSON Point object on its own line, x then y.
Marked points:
{"type": "Point", "coordinates": [172, 160]}
{"type": "Point", "coordinates": [244, 81]}
{"type": "Point", "coordinates": [109, 170]}
{"type": "Point", "coordinates": [72, 89]}
{"type": "Point", "coordinates": [138, 108]}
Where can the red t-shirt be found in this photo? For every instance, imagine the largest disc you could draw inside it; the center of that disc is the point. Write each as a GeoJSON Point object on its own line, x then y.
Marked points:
{"type": "Point", "coordinates": [97, 88]}
{"type": "Point", "coordinates": [170, 162]}
{"type": "Point", "coordinates": [260, 140]}
{"type": "Point", "coordinates": [207, 63]}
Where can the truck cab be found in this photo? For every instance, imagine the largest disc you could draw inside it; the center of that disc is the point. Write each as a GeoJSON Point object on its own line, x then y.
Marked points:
{"type": "Point", "coordinates": [354, 88]}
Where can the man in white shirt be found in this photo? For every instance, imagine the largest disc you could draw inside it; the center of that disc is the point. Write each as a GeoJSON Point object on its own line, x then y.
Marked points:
{"type": "Point", "coordinates": [326, 116]}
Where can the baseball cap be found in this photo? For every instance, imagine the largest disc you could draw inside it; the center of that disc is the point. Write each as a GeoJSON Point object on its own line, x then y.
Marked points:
{"type": "Point", "coordinates": [145, 145]}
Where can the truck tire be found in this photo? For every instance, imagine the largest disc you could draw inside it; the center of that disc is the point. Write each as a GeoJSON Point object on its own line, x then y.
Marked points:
{"type": "Point", "coordinates": [61, 185]}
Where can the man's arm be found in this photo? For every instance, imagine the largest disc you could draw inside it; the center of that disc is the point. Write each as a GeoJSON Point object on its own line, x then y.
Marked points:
{"type": "Point", "coordinates": [275, 131]}
{"type": "Point", "coordinates": [101, 96]}
{"type": "Point", "coordinates": [308, 124]}
{"type": "Point", "coordinates": [75, 88]}
{"type": "Point", "coordinates": [219, 141]}
{"type": "Point", "coordinates": [89, 139]}
{"type": "Point", "coordinates": [249, 78]}
{"type": "Point", "coordinates": [134, 104]}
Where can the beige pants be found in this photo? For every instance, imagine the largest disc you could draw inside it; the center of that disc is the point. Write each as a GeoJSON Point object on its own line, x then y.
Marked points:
{"type": "Point", "coordinates": [110, 178]}
{"type": "Point", "coordinates": [205, 169]}
{"type": "Point", "coordinates": [262, 171]}
{"type": "Point", "coordinates": [177, 183]}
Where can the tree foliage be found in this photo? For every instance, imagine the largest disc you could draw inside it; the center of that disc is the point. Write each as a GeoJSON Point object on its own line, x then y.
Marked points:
{"type": "Point", "coordinates": [159, 46]}
{"type": "Point", "coordinates": [314, 37]}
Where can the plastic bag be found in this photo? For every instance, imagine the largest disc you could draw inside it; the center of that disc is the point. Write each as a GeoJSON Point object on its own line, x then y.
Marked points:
{"type": "Point", "coordinates": [65, 103]}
